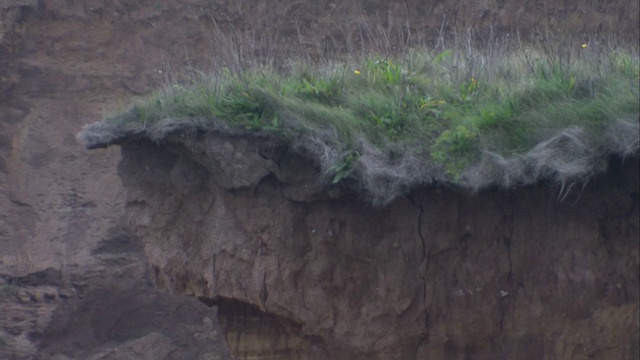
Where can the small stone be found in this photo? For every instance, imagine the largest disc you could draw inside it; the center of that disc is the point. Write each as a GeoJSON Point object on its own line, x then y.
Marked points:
{"type": "Point", "coordinates": [23, 296]}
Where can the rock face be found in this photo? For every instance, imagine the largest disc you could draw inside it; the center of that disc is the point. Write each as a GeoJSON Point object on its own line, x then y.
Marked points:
{"type": "Point", "coordinates": [242, 224]}
{"type": "Point", "coordinates": [109, 312]}
{"type": "Point", "coordinates": [63, 233]}
{"type": "Point", "coordinates": [133, 321]}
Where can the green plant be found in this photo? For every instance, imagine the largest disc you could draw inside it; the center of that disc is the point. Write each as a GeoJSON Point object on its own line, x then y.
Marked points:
{"type": "Point", "coordinates": [423, 114]}
{"type": "Point", "coordinates": [343, 168]}
{"type": "Point", "coordinates": [454, 148]}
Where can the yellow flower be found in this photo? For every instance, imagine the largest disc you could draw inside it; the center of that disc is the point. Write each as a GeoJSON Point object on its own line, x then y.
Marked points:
{"type": "Point", "coordinates": [584, 46]}
{"type": "Point", "coordinates": [357, 72]}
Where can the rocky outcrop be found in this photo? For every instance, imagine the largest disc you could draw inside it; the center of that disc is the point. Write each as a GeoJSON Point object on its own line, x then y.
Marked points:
{"type": "Point", "coordinates": [242, 223]}
{"type": "Point", "coordinates": [133, 321]}
{"type": "Point", "coordinates": [111, 312]}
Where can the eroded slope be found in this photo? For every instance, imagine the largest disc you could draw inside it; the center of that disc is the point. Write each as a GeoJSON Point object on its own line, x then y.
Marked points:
{"type": "Point", "coordinates": [243, 223]}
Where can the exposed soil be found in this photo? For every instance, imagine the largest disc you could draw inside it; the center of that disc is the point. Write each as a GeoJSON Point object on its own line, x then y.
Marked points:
{"type": "Point", "coordinates": [67, 249]}
{"type": "Point", "coordinates": [300, 271]}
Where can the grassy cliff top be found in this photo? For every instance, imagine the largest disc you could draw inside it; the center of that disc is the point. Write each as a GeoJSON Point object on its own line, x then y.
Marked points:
{"type": "Point", "coordinates": [497, 115]}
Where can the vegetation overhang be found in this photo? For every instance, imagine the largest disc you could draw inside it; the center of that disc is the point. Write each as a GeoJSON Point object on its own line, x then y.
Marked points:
{"type": "Point", "coordinates": [501, 116]}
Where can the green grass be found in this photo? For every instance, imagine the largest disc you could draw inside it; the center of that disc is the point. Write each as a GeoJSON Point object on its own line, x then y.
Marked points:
{"type": "Point", "coordinates": [425, 115]}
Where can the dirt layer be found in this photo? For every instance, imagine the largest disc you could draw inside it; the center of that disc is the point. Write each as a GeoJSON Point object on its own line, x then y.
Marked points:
{"type": "Point", "coordinates": [64, 231]}
{"type": "Point", "coordinates": [302, 271]}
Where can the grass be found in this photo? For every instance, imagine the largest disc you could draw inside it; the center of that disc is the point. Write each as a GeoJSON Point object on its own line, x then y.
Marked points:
{"type": "Point", "coordinates": [476, 115]}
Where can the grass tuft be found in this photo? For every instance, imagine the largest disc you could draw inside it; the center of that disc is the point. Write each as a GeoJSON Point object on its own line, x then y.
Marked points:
{"type": "Point", "coordinates": [503, 114]}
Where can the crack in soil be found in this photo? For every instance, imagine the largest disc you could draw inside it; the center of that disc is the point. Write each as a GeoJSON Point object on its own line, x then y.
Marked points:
{"type": "Point", "coordinates": [425, 259]}
{"type": "Point", "coordinates": [507, 244]}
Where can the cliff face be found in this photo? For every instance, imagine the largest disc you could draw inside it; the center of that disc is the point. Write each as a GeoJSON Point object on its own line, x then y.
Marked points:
{"type": "Point", "coordinates": [65, 252]}
{"type": "Point", "coordinates": [303, 272]}
{"type": "Point", "coordinates": [63, 233]}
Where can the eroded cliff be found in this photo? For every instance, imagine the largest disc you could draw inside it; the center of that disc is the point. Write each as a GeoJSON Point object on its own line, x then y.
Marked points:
{"type": "Point", "coordinates": [305, 271]}
{"type": "Point", "coordinates": [66, 253]}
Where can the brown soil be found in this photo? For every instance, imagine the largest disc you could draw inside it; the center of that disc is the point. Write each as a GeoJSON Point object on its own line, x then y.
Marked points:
{"type": "Point", "coordinates": [67, 63]}
{"type": "Point", "coordinates": [303, 272]}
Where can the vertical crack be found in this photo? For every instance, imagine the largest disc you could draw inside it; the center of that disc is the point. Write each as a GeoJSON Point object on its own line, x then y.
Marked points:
{"type": "Point", "coordinates": [507, 242]}
{"type": "Point", "coordinates": [425, 260]}
{"type": "Point", "coordinates": [507, 245]}
{"type": "Point", "coordinates": [424, 246]}
{"type": "Point", "coordinates": [264, 294]}
{"type": "Point", "coordinates": [504, 296]}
